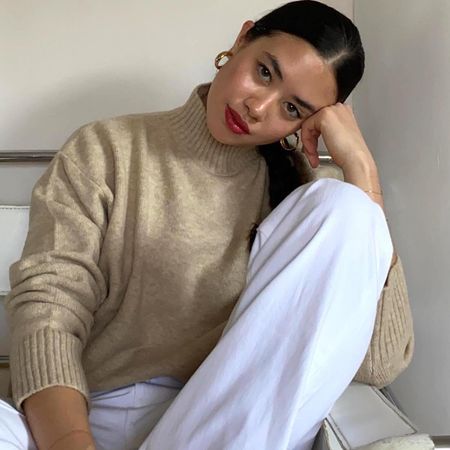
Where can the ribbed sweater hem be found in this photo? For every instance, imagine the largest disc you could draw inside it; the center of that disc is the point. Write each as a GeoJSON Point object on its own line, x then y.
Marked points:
{"type": "Point", "coordinates": [391, 352]}
{"type": "Point", "coordinates": [44, 359]}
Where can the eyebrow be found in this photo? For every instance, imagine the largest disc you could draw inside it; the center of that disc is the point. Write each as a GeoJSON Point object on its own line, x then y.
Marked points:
{"type": "Point", "coordinates": [277, 70]}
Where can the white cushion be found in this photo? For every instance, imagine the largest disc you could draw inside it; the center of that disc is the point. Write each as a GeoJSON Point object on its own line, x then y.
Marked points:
{"type": "Point", "coordinates": [411, 442]}
{"type": "Point", "coordinates": [13, 232]}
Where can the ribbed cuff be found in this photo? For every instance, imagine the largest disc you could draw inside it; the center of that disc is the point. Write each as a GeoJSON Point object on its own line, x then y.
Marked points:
{"type": "Point", "coordinates": [44, 359]}
{"type": "Point", "coordinates": [392, 344]}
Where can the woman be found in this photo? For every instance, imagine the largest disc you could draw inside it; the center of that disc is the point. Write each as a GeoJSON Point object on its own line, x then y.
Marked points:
{"type": "Point", "coordinates": [136, 292]}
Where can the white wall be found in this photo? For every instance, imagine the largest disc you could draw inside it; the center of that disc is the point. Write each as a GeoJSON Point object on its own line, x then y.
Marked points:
{"type": "Point", "coordinates": [67, 62]}
{"type": "Point", "coordinates": [403, 106]}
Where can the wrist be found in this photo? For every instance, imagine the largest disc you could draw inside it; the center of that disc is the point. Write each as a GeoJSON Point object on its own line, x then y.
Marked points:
{"type": "Point", "coordinates": [363, 173]}
{"type": "Point", "coordinates": [76, 440]}
{"type": "Point", "coordinates": [360, 167]}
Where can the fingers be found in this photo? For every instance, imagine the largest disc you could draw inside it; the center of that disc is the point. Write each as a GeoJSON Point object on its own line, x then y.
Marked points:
{"type": "Point", "coordinates": [336, 124]}
{"type": "Point", "coordinates": [309, 135]}
{"type": "Point", "coordinates": [312, 156]}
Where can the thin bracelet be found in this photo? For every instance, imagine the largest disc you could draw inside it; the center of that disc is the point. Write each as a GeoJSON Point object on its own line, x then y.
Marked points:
{"type": "Point", "coordinates": [374, 192]}
{"type": "Point", "coordinates": [67, 435]}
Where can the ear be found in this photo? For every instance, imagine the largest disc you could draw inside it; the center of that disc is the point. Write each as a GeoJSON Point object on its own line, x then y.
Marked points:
{"type": "Point", "coordinates": [240, 40]}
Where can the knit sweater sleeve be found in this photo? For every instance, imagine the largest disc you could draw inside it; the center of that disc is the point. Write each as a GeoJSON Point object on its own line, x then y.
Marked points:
{"type": "Point", "coordinates": [57, 284]}
{"type": "Point", "coordinates": [392, 345]}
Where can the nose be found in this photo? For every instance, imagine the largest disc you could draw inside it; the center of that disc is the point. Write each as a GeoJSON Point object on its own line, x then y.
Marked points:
{"type": "Point", "coordinates": [259, 105]}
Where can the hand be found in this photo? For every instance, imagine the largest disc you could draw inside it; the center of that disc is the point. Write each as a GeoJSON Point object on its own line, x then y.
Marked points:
{"type": "Point", "coordinates": [345, 144]}
{"type": "Point", "coordinates": [341, 135]}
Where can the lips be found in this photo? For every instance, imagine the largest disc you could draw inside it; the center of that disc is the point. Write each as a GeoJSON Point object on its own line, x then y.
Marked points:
{"type": "Point", "coordinates": [235, 122]}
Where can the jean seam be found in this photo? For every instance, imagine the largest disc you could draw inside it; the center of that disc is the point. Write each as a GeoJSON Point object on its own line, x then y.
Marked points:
{"type": "Point", "coordinates": [127, 413]}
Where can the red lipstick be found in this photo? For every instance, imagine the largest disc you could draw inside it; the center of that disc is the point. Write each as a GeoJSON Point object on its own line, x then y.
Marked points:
{"type": "Point", "coordinates": [234, 121]}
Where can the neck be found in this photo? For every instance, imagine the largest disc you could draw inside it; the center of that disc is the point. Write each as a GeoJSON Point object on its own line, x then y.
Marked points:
{"type": "Point", "coordinates": [194, 139]}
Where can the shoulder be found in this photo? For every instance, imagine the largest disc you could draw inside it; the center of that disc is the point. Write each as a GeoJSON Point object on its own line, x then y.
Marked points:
{"type": "Point", "coordinates": [114, 129]}
{"type": "Point", "coordinates": [102, 145]}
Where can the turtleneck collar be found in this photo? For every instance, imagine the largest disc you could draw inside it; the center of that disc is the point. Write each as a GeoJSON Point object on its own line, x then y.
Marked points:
{"type": "Point", "coordinates": [191, 132]}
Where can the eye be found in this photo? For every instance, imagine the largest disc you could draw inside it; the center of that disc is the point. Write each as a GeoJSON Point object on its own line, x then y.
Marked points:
{"type": "Point", "coordinates": [292, 110]}
{"type": "Point", "coordinates": [264, 72]}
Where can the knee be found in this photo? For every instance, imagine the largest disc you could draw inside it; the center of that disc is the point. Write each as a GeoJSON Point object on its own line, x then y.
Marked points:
{"type": "Point", "coordinates": [342, 209]}
{"type": "Point", "coordinates": [332, 215]}
{"type": "Point", "coordinates": [333, 206]}
{"type": "Point", "coordinates": [348, 200]}
{"type": "Point", "coordinates": [343, 201]}
{"type": "Point", "coordinates": [351, 213]}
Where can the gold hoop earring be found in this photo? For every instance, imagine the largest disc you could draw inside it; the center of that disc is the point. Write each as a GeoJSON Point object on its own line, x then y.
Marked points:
{"type": "Point", "coordinates": [220, 56]}
{"type": "Point", "coordinates": [287, 145]}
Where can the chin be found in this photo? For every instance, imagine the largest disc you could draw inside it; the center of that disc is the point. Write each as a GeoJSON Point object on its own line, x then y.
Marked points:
{"type": "Point", "coordinates": [226, 139]}
{"type": "Point", "coordinates": [220, 132]}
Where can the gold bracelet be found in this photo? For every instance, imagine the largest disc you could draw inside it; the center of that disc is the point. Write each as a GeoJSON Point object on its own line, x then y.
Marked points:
{"type": "Point", "coordinates": [69, 434]}
{"type": "Point", "coordinates": [374, 192]}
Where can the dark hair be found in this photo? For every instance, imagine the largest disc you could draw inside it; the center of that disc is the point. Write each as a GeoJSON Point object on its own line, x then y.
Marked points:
{"type": "Point", "coordinates": [337, 40]}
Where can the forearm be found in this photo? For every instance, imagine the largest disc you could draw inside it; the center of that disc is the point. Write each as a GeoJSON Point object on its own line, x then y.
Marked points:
{"type": "Point", "coordinates": [392, 342]}
{"type": "Point", "coordinates": [364, 174]}
{"type": "Point", "coordinates": [58, 419]}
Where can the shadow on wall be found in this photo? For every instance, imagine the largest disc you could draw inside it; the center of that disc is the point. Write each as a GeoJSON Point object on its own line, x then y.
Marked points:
{"type": "Point", "coordinates": [50, 120]}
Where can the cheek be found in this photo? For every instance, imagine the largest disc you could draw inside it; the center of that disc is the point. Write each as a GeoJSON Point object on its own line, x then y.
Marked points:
{"type": "Point", "coordinates": [279, 128]}
{"type": "Point", "coordinates": [214, 119]}
{"type": "Point", "coordinates": [236, 79]}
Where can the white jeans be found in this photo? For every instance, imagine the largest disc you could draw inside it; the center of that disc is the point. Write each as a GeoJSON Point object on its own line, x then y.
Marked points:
{"type": "Point", "coordinates": [293, 343]}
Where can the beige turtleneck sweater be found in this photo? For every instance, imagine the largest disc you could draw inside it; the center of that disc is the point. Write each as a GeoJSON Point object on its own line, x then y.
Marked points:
{"type": "Point", "coordinates": [137, 252]}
